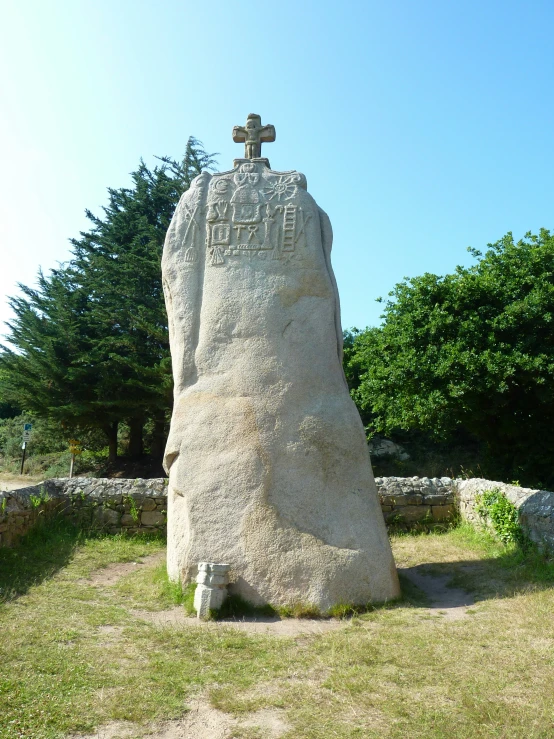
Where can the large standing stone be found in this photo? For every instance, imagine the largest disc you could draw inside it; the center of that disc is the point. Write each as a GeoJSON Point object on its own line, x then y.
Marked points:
{"type": "Point", "coordinates": [267, 458]}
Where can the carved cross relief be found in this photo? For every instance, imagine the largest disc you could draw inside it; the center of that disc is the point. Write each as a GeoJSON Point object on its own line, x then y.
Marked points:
{"type": "Point", "coordinates": [253, 134]}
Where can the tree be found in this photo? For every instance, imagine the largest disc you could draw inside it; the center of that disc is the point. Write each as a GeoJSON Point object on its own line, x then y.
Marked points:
{"type": "Point", "coordinates": [473, 350]}
{"type": "Point", "coordinates": [91, 340]}
{"type": "Point", "coordinates": [354, 368]}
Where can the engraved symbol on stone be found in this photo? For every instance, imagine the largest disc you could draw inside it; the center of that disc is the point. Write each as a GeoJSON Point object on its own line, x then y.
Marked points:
{"type": "Point", "coordinates": [303, 220]}
{"type": "Point", "coordinates": [239, 229]}
{"type": "Point", "coordinates": [190, 255]}
{"type": "Point", "coordinates": [282, 189]}
{"type": "Point", "coordinates": [190, 212]}
{"type": "Point", "coordinates": [217, 255]}
{"type": "Point", "coordinates": [250, 244]}
{"type": "Point", "coordinates": [218, 236]}
{"type": "Point", "coordinates": [217, 211]}
{"type": "Point", "coordinates": [289, 227]}
{"type": "Point", "coordinates": [252, 135]}
{"type": "Point", "coordinates": [246, 198]}
{"type": "Point", "coordinates": [192, 228]}
{"type": "Point", "coordinates": [219, 185]}
{"type": "Point", "coordinates": [221, 233]}
{"type": "Point", "coordinates": [269, 222]}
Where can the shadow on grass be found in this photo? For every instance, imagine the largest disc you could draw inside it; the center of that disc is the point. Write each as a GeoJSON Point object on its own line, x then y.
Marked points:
{"type": "Point", "coordinates": [39, 555]}
{"type": "Point", "coordinates": [463, 582]}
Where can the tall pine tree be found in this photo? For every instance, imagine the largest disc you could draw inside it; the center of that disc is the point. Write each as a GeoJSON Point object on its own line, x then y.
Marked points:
{"type": "Point", "coordinates": [91, 341]}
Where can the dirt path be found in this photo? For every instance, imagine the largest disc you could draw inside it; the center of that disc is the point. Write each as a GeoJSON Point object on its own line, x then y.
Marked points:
{"type": "Point", "coordinates": [274, 626]}
{"type": "Point", "coordinates": [452, 603]}
{"type": "Point", "coordinates": [177, 618]}
{"type": "Point", "coordinates": [105, 577]}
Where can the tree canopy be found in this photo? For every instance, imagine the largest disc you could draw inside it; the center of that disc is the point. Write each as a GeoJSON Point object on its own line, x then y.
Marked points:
{"type": "Point", "coordinates": [472, 350]}
{"type": "Point", "coordinates": [89, 344]}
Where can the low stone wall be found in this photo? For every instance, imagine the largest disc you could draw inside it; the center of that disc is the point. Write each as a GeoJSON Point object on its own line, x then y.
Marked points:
{"type": "Point", "coordinates": [113, 505]}
{"type": "Point", "coordinates": [116, 505]}
{"type": "Point", "coordinates": [409, 502]}
{"type": "Point", "coordinates": [20, 510]}
{"type": "Point", "coordinates": [536, 507]}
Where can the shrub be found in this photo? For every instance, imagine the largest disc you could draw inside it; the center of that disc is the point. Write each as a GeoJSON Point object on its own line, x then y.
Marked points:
{"type": "Point", "coordinates": [494, 507]}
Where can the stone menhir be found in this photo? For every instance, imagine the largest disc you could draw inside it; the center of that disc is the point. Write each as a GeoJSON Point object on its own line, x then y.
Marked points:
{"type": "Point", "coordinates": [267, 458]}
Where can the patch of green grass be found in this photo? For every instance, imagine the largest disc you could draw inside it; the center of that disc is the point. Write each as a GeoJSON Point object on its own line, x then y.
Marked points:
{"type": "Point", "coordinates": [151, 588]}
{"type": "Point", "coordinates": [43, 552]}
{"type": "Point", "coordinates": [299, 610]}
{"type": "Point", "coordinates": [54, 543]}
{"type": "Point", "coordinates": [73, 657]}
{"type": "Point", "coordinates": [188, 597]}
{"type": "Point", "coordinates": [513, 563]}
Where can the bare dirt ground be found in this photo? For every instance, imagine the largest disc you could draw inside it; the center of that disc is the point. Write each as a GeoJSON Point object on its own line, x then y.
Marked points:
{"type": "Point", "coordinates": [274, 626]}
{"type": "Point", "coordinates": [110, 575]}
{"type": "Point", "coordinates": [178, 618]}
{"type": "Point", "coordinates": [452, 603]}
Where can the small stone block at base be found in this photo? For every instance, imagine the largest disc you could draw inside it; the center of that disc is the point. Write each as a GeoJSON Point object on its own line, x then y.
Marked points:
{"type": "Point", "coordinates": [211, 588]}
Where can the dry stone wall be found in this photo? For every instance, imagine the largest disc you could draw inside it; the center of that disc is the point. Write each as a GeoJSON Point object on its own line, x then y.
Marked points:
{"type": "Point", "coordinates": [408, 502]}
{"type": "Point", "coordinates": [111, 505]}
{"type": "Point", "coordinates": [140, 505]}
{"type": "Point", "coordinates": [20, 510]}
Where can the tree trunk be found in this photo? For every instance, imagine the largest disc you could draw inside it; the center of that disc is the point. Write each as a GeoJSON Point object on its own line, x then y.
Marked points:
{"type": "Point", "coordinates": [111, 432]}
{"type": "Point", "coordinates": [136, 426]}
{"type": "Point", "coordinates": [159, 438]}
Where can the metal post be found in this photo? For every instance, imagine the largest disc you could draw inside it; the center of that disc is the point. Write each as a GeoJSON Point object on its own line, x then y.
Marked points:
{"type": "Point", "coordinates": [24, 447]}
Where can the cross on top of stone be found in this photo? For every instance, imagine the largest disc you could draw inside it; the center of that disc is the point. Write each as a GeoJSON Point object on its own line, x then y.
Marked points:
{"type": "Point", "coordinates": [252, 135]}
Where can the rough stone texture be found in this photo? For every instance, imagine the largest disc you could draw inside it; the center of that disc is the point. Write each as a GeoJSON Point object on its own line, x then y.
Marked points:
{"type": "Point", "coordinates": [21, 509]}
{"type": "Point", "coordinates": [267, 459]}
{"type": "Point", "coordinates": [536, 507]}
{"type": "Point", "coordinates": [84, 500]}
{"type": "Point", "coordinates": [152, 518]}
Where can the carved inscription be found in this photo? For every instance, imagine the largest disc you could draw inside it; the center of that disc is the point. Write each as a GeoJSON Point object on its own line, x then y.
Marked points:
{"type": "Point", "coordinates": [192, 217]}
{"type": "Point", "coordinates": [289, 227]}
{"type": "Point", "coordinates": [252, 215]}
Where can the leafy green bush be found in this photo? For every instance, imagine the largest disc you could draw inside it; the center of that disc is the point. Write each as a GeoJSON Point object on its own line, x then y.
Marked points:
{"type": "Point", "coordinates": [471, 351]}
{"type": "Point", "coordinates": [494, 507]}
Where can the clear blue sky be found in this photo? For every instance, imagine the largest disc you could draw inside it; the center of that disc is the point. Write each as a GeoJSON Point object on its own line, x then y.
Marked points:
{"type": "Point", "coordinates": [422, 127]}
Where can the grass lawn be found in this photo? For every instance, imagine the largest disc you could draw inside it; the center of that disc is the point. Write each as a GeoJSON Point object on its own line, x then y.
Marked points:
{"type": "Point", "coordinates": [77, 652]}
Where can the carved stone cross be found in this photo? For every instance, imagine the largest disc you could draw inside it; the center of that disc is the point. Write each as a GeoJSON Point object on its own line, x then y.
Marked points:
{"type": "Point", "coordinates": [252, 135]}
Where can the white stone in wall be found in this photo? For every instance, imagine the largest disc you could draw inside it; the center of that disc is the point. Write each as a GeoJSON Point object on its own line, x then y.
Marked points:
{"type": "Point", "coordinates": [381, 447]}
